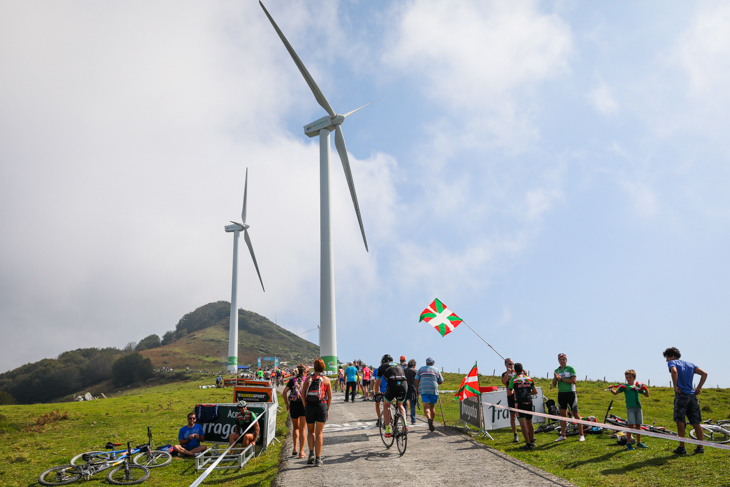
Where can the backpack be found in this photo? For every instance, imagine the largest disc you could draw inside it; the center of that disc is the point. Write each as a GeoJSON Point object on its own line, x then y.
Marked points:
{"type": "Point", "coordinates": [397, 375]}
{"type": "Point", "coordinates": [550, 407]}
{"type": "Point", "coordinates": [317, 391]}
{"type": "Point", "coordinates": [296, 392]}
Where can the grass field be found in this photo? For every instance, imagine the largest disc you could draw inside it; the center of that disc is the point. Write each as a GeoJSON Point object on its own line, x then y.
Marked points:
{"type": "Point", "coordinates": [36, 437]}
{"type": "Point", "coordinates": [600, 461]}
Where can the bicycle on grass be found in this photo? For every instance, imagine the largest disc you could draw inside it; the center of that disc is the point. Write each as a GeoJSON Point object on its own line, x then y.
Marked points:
{"type": "Point", "coordinates": [719, 432]}
{"type": "Point", "coordinates": [611, 418]}
{"type": "Point", "coordinates": [123, 471]}
{"type": "Point", "coordinates": [398, 428]}
{"type": "Point", "coordinates": [144, 455]}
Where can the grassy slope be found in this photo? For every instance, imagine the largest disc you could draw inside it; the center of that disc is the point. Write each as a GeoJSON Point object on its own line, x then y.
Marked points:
{"type": "Point", "coordinates": [600, 461]}
{"type": "Point", "coordinates": [89, 425]}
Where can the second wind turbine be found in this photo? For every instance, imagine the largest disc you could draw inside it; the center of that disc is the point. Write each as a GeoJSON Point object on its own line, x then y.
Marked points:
{"type": "Point", "coordinates": [236, 229]}
{"type": "Point", "coordinates": [322, 128]}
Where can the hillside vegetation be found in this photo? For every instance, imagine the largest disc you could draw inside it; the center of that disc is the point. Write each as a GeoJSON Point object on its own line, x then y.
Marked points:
{"type": "Point", "coordinates": [199, 341]}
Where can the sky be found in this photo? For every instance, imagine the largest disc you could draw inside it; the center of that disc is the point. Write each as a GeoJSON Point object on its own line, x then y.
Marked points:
{"type": "Point", "coordinates": [557, 173]}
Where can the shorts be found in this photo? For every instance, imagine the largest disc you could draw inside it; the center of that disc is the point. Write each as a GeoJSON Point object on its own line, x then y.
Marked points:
{"type": "Point", "coordinates": [634, 416]}
{"type": "Point", "coordinates": [316, 413]}
{"type": "Point", "coordinates": [396, 391]}
{"type": "Point", "coordinates": [429, 398]}
{"type": "Point", "coordinates": [511, 402]}
{"type": "Point", "coordinates": [296, 409]}
{"type": "Point", "coordinates": [525, 407]}
{"type": "Point", "coordinates": [686, 405]}
{"type": "Point", "coordinates": [365, 383]}
{"type": "Point", "coordinates": [568, 400]}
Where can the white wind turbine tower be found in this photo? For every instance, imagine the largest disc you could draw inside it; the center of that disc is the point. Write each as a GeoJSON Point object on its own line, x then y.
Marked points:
{"type": "Point", "coordinates": [322, 128]}
{"type": "Point", "coordinates": [237, 228]}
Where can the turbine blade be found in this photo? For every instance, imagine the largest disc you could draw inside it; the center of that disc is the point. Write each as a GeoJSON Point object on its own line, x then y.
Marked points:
{"type": "Point", "coordinates": [253, 256]}
{"type": "Point", "coordinates": [342, 150]}
{"type": "Point", "coordinates": [350, 113]}
{"type": "Point", "coordinates": [245, 191]}
{"type": "Point", "coordinates": [307, 77]}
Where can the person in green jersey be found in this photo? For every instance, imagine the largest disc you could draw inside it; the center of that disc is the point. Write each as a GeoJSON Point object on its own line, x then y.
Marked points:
{"type": "Point", "coordinates": [565, 378]}
{"type": "Point", "coordinates": [634, 416]}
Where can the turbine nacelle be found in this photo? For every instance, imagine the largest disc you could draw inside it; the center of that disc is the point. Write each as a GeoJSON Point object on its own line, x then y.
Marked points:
{"type": "Point", "coordinates": [237, 227]}
{"type": "Point", "coordinates": [326, 122]}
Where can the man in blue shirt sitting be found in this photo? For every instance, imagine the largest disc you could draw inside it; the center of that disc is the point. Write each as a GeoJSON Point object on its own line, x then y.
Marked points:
{"type": "Point", "coordinates": [685, 396]}
{"type": "Point", "coordinates": [190, 437]}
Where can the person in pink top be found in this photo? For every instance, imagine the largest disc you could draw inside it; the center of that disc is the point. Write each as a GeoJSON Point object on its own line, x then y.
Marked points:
{"type": "Point", "coordinates": [366, 376]}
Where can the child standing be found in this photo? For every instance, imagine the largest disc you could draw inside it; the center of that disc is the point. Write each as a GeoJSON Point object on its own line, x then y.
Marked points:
{"type": "Point", "coordinates": [634, 416]}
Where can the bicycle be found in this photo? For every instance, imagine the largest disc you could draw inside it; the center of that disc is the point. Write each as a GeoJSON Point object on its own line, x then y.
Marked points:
{"type": "Point", "coordinates": [618, 421]}
{"type": "Point", "coordinates": [399, 429]}
{"type": "Point", "coordinates": [715, 433]}
{"type": "Point", "coordinates": [123, 471]}
{"type": "Point", "coordinates": [146, 456]}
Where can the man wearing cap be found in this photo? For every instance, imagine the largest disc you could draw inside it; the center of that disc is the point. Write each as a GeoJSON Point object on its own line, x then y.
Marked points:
{"type": "Point", "coordinates": [565, 378]}
{"type": "Point", "coordinates": [428, 379]}
{"type": "Point", "coordinates": [244, 418]}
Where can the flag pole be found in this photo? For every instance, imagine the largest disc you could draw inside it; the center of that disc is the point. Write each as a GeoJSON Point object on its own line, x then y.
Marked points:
{"type": "Point", "coordinates": [477, 334]}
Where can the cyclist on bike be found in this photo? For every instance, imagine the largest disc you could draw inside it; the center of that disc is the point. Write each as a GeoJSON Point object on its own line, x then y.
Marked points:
{"type": "Point", "coordinates": [395, 391]}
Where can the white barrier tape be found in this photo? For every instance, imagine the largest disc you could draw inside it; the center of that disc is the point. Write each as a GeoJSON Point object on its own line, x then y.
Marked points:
{"type": "Point", "coordinates": [617, 428]}
{"type": "Point", "coordinates": [202, 477]}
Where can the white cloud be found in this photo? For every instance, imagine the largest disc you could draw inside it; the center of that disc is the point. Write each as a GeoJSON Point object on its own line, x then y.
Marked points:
{"type": "Point", "coordinates": [643, 198]}
{"type": "Point", "coordinates": [603, 100]}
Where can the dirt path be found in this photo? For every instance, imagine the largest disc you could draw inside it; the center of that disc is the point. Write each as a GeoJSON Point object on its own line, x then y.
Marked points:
{"type": "Point", "coordinates": [354, 454]}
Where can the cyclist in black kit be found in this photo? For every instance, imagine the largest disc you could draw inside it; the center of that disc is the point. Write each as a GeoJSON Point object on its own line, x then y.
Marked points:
{"type": "Point", "coordinates": [397, 387]}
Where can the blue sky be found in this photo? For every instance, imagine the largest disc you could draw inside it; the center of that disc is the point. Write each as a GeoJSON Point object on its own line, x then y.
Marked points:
{"type": "Point", "coordinates": [555, 172]}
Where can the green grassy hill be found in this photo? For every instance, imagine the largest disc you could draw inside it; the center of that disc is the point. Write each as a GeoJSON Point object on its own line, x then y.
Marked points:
{"type": "Point", "coordinates": [205, 344]}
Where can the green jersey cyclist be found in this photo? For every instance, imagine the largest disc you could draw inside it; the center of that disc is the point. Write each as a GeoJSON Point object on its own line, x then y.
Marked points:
{"type": "Point", "coordinates": [395, 391]}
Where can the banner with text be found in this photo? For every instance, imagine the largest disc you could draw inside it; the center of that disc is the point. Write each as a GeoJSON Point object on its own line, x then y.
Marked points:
{"type": "Point", "coordinates": [496, 418]}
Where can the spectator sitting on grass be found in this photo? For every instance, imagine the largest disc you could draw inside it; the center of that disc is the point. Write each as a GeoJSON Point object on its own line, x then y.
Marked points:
{"type": "Point", "coordinates": [190, 437]}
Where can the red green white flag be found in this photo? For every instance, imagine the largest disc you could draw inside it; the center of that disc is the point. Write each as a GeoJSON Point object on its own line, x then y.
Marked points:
{"type": "Point", "coordinates": [470, 385]}
{"type": "Point", "coordinates": [440, 317]}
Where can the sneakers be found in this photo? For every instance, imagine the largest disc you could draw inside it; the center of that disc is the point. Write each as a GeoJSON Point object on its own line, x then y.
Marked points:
{"type": "Point", "coordinates": [582, 438]}
{"type": "Point", "coordinates": [377, 423]}
{"type": "Point", "coordinates": [700, 449]}
{"type": "Point", "coordinates": [388, 433]}
{"type": "Point", "coordinates": [641, 445]}
{"type": "Point", "coordinates": [310, 460]}
{"type": "Point", "coordinates": [630, 447]}
{"type": "Point", "coordinates": [517, 439]}
{"type": "Point", "coordinates": [560, 438]}
{"type": "Point", "coordinates": [532, 444]}
{"type": "Point", "coordinates": [527, 446]}
{"type": "Point", "coordinates": [318, 462]}
{"type": "Point", "coordinates": [413, 421]}
{"type": "Point", "coordinates": [680, 450]}
{"type": "Point", "coordinates": [430, 425]}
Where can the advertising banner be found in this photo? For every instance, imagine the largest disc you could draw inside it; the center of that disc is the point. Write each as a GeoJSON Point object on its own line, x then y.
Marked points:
{"type": "Point", "coordinates": [468, 411]}
{"type": "Point", "coordinates": [496, 418]}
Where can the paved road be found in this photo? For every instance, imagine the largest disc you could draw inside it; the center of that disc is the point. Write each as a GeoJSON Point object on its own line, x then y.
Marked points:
{"type": "Point", "coordinates": [353, 454]}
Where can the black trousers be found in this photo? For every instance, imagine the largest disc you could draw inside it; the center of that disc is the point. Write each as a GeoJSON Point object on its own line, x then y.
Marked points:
{"type": "Point", "coordinates": [352, 385]}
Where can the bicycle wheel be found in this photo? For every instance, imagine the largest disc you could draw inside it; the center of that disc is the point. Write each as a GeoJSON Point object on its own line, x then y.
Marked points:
{"type": "Point", "coordinates": [63, 475]}
{"type": "Point", "coordinates": [546, 427]}
{"type": "Point", "coordinates": [400, 432]}
{"type": "Point", "coordinates": [94, 456]}
{"type": "Point", "coordinates": [572, 429]}
{"type": "Point", "coordinates": [153, 459]}
{"type": "Point", "coordinates": [713, 434]}
{"type": "Point", "coordinates": [388, 442]}
{"type": "Point", "coordinates": [128, 475]}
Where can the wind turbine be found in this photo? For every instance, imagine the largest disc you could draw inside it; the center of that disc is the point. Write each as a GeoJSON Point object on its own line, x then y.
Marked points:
{"type": "Point", "coordinates": [236, 229]}
{"type": "Point", "coordinates": [322, 128]}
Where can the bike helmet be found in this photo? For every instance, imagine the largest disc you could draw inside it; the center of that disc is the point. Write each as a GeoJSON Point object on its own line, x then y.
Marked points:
{"type": "Point", "coordinates": [241, 404]}
{"type": "Point", "coordinates": [386, 359]}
